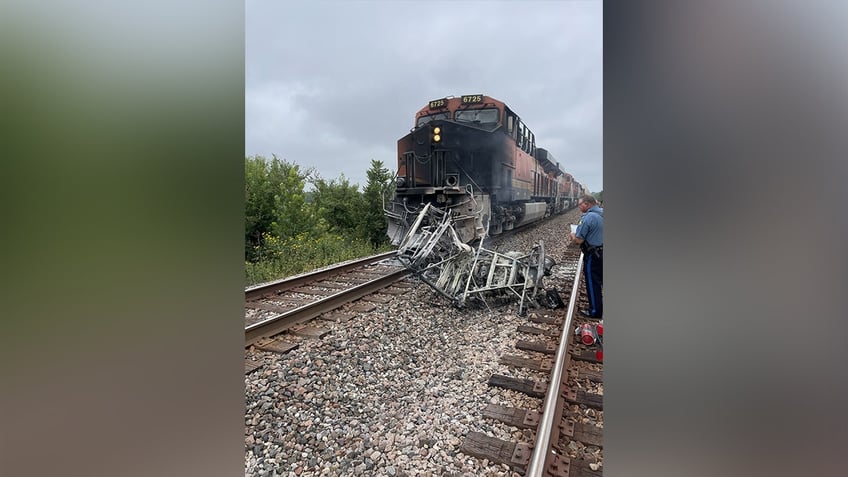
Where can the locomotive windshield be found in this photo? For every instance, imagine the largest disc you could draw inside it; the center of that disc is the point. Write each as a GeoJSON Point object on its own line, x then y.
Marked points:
{"type": "Point", "coordinates": [484, 117]}
{"type": "Point", "coordinates": [426, 119]}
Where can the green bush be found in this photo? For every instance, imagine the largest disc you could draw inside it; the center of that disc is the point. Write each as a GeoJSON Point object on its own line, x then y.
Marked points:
{"type": "Point", "coordinates": [290, 231]}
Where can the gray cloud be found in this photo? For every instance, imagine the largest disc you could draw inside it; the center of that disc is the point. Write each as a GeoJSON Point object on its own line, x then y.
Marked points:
{"type": "Point", "coordinates": [332, 85]}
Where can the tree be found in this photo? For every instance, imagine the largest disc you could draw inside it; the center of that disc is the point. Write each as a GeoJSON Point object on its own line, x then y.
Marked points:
{"type": "Point", "coordinates": [338, 203]}
{"type": "Point", "coordinates": [291, 215]}
{"type": "Point", "coordinates": [258, 203]}
{"type": "Point", "coordinates": [274, 201]}
{"type": "Point", "coordinates": [599, 196]}
{"type": "Point", "coordinates": [380, 185]}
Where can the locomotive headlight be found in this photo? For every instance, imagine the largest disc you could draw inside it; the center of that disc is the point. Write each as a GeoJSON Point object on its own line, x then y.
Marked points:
{"type": "Point", "coordinates": [437, 134]}
{"type": "Point", "coordinates": [437, 138]}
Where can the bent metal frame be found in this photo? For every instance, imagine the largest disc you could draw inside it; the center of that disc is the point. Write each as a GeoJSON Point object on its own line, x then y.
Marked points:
{"type": "Point", "coordinates": [433, 251]}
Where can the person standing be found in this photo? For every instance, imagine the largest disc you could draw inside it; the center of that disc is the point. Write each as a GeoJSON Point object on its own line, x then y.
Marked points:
{"type": "Point", "coordinates": [590, 236]}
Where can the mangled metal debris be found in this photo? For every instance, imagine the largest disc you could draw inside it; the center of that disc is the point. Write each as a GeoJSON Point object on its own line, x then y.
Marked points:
{"type": "Point", "coordinates": [432, 249]}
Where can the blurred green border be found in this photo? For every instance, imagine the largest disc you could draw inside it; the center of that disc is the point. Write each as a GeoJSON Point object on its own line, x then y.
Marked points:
{"type": "Point", "coordinates": [122, 172]}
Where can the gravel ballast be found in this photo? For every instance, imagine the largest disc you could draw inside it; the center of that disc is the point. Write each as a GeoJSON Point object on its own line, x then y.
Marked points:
{"type": "Point", "coordinates": [394, 391]}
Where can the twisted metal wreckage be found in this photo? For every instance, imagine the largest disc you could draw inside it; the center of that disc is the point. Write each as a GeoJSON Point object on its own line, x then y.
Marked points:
{"type": "Point", "coordinates": [433, 251]}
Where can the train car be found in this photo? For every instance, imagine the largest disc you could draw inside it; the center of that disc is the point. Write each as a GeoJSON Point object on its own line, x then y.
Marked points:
{"type": "Point", "coordinates": [572, 190]}
{"type": "Point", "coordinates": [474, 157]}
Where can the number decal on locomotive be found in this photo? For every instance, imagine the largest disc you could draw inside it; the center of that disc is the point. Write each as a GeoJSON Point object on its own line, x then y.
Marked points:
{"type": "Point", "coordinates": [472, 98]}
{"type": "Point", "coordinates": [438, 103]}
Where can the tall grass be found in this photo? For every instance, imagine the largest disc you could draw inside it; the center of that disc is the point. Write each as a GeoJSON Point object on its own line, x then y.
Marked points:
{"type": "Point", "coordinates": [283, 258]}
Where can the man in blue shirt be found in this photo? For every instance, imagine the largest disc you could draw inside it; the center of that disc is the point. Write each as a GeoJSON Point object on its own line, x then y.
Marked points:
{"type": "Point", "coordinates": [590, 236]}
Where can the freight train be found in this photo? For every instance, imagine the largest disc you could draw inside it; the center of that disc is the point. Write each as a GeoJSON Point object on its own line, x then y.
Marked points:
{"type": "Point", "coordinates": [475, 158]}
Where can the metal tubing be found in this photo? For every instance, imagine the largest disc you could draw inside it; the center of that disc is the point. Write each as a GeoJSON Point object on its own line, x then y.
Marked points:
{"type": "Point", "coordinates": [543, 433]}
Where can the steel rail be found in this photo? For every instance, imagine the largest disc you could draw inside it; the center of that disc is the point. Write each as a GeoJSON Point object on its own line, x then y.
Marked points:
{"type": "Point", "coordinates": [543, 433]}
{"type": "Point", "coordinates": [327, 273]}
{"type": "Point", "coordinates": [279, 323]}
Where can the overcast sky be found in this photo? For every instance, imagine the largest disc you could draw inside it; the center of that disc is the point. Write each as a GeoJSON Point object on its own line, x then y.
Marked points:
{"type": "Point", "coordinates": [334, 84]}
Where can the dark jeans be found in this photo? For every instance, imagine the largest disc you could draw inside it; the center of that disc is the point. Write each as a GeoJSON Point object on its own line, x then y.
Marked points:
{"type": "Point", "coordinates": [594, 270]}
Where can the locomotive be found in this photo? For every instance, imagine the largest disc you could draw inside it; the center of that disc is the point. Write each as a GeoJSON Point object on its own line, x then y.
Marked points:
{"type": "Point", "coordinates": [473, 157]}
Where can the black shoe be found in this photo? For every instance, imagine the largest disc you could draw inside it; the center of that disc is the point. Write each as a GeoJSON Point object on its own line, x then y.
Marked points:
{"type": "Point", "coordinates": [585, 313]}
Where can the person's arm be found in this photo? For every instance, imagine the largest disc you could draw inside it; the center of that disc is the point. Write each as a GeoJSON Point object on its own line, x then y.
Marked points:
{"type": "Point", "coordinates": [581, 230]}
{"type": "Point", "coordinates": [574, 237]}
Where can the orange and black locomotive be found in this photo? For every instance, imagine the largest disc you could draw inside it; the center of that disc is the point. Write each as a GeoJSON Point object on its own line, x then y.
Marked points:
{"type": "Point", "coordinates": [474, 157]}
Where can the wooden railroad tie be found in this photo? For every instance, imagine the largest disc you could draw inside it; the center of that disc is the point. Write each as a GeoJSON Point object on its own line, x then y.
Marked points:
{"type": "Point", "coordinates": [361, 274]}
{"type": "Point", "coordinates": [537, 346]}
{"type": "Point", "coordinates": [377, 298]}
{"type": "Point", "coordinates": [588, 356]}
{"type": "Point", "coordinates": [544, 320]}
{"type": "Point", "coordinates": [251, 365]}
{"type": "Point", "coordinates": [580, 396]}
{"type": "Point", "coordinates": [479, 445]}
{"type": "Point", "coordinates": [532, 330]}
{"type": "Point", "coordinates": [529, 363]}
{"type": "Point", "coordinates": [284, 307]}
{"type": "Point", "coordinates": [589, 434]}
{"type": "Point", "coordinates": [513, 416]}
{"type": "Point", "coordinates": [395, 290]}
{"type": "Point", "coordinates": [405, 285]}
{"type": "Point", "coordinates": [363, 307]}
{"type": "Point", "coordinates": [337, 316]}
{"type": "Point", "coordinates": [307, 290]}
{"type": "Point", "coordinates": [591, 375]}
{"type": "Point", "coordinates": [539, 388]}
{"type": "Point", "coordinates": [560, 465]}
{"type": "Point", "coordinates": [311, 332]}
{"type": "Point", "coordinates": [276, 346]}
{"type": "Point", "coordinates": [529, 387]}
{"type": "Point", "coordinates": [333, 285]}
{"type": "Point", "coordinates": [517, 456]}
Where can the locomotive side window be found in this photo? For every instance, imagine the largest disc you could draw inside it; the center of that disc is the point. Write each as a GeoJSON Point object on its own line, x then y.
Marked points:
{"type": "Point", "coordinates": [520, 134]}
{"type": "Point", "coordinates": [426, 119]}
{"type": "Point", "coordinates": [510, 124]}
{"type": "Point", "coordinates": [525, 141]}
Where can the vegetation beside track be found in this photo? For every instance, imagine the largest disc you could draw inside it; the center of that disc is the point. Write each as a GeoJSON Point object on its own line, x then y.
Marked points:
{"type": "Point", "coordinates": [289, 230]}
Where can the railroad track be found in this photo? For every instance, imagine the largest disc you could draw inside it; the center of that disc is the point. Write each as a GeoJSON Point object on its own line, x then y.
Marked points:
{"type": "Point", "coordinates": [559, 430]}
{"type": "Point", "coordinates": [275, 307]}
{"type": "Point", "coordinates": [405, 367]}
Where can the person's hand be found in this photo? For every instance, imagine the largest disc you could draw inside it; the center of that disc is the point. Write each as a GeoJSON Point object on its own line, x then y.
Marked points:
{"type": "Point", "coordinates": [571, 234]}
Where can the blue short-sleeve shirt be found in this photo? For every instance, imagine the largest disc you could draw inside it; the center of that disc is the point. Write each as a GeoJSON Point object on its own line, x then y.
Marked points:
{"type": "Point", "coordinates": [591, 226]}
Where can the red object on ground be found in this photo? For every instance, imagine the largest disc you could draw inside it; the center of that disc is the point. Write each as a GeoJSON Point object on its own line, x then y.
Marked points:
{"type": "Point", "coordinates": [587, 336]}
{"type": "Point", "coordinates": [600, 328]}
